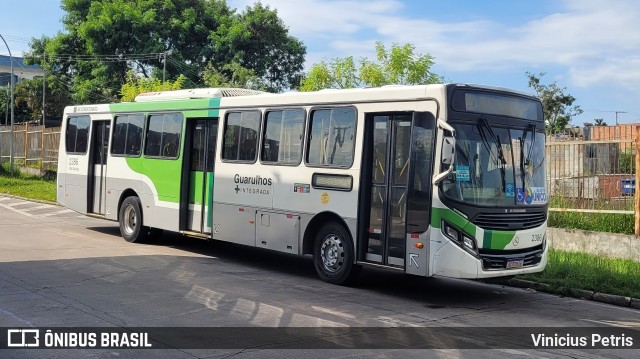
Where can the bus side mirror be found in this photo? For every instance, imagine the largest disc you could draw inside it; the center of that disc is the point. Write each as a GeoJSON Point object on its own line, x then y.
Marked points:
{"type": "Point", "coordinates": [448, 150]}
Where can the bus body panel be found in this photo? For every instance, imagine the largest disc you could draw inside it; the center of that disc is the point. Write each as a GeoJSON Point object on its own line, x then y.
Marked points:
{"type": "Point", "coordinates": [73, 166]}
{"type": "Point", "coordinates": [271, 206]}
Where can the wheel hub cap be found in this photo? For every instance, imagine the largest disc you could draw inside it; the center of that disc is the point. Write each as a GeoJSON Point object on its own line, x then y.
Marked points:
{"type": "Point", "coordinates": [332, 253]}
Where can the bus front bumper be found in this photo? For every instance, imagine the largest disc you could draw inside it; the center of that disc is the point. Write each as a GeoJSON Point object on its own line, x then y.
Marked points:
{"type": "Point", "coordinates": [452, 261]}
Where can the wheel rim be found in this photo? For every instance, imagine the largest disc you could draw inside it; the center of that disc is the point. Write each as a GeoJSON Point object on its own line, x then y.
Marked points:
{"type": "Point", "coordinates": [129, 220]}
{"type": "Point", "coordinates": [332, 253]}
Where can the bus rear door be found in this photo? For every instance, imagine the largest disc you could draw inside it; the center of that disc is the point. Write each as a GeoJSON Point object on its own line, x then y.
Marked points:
{"type": "Point", "coordinates": [201, 145]}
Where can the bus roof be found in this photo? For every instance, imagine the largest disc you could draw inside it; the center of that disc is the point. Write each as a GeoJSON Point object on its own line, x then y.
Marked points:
{"type": "Point", "coordinates": [195, 93]}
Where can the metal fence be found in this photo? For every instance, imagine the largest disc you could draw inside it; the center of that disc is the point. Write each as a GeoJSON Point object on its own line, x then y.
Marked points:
{"type": "Point", "coordinates": [33, 145]}
{"type": "Point", "coordinates": [593, 175]}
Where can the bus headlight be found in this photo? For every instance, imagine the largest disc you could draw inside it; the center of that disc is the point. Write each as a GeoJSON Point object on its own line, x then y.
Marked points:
{"type": "Point", "coordinates": [469, 244]}
{"type": "Point", "coordinates": [451, 232]}
{"type": "Point", "coordinates": [460, 238]}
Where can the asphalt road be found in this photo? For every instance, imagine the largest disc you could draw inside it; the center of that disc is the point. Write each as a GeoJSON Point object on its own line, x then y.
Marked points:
{"type": "Point", "coordinates": [61, 269]}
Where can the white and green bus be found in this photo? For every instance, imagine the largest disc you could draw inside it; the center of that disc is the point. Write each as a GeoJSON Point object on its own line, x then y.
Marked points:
{"type": "Point", "coordinates": [430, 180]}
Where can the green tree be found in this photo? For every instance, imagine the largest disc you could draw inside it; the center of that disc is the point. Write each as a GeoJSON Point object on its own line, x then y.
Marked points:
{"type": "Point", "coordinates": [136, 85]}
{"type": "Point", "coordinates": [558, 106]}
{"type": "Point", "coordinates": [258, 40]}
{"type": "Point", "coordinates": [600, 122]}
{"type": "Point", "coordinates": [398, 65]}
{"type": "Point", "coordinates": [627, 161]}
{"type": "Point", "coordinates": [232, 75]}
{"type": "Point", "coordinates": [104, 39]}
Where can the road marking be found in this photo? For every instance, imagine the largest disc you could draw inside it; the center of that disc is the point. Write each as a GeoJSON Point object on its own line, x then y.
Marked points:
{"type": "Point", "coordinates": [39, 207]}
{"type": "Point", "coordinates": [4, 198]}
{"type": "Point", "coordinates": [56, 213]}
{"type": "Point", "coordinates": [17, 203]}
{"type": "Point", "coordinates": [17, 210]}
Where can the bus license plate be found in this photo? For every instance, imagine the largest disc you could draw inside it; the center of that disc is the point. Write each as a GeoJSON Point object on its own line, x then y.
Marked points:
{"type": "Point", "coordinates": [515, 263]}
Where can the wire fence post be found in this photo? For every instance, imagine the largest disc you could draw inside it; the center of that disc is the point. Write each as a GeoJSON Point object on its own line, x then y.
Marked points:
{"type": "Point", "coordinates": [636, 206]}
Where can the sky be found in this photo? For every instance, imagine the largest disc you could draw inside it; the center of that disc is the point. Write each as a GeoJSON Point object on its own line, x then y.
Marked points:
{"type": "Point", "coordinates": [591, 47]}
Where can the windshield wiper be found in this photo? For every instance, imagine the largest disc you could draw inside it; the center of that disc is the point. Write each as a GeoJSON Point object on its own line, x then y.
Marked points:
{"type": "Point", "coordinates": [526, 160]}
{"type": "Point", "coordinates": [500, 160]}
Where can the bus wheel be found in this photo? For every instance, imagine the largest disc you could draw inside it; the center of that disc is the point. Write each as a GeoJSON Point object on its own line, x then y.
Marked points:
{"type": "Point", "coordinates": [333, 255]}
{"type": "Point", "coordinates": [131, 227]}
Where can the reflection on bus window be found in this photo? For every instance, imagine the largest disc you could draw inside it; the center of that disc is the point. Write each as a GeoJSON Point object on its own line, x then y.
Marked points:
{"type": "Point", "coordinates": [241, 136]}
{"type": "Point", "coordinates": [283, 137]}
{"type": "Point", "coordinates": [163, 135]}
{"type": "Point", "coordinates": [127, 135]}
{"type": "Point", "coordinates": [77, 134]}
{"type": "Point", "coordinates": [331, 137]}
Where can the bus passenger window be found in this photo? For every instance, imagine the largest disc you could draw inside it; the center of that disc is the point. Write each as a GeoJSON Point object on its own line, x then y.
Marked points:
{"type": "Point", "coordinates": [77, 134]}
{"type": "Point", "coordinates": [283, 137]}
{"type": "Point", "coordinates": [163, 135]}
{"type": "Point", "coordinates": [332, 137]}
{"type": "Point", "coordinates": [241, 136]}
{"type": "Point", "coordinates": [127, 135]}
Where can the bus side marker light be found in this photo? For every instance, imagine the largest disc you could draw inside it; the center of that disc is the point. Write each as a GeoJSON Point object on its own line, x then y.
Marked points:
{"type": "Point", "coordinates": [419, 245]}
{"type": "Point", "coordinates": [251, 222]}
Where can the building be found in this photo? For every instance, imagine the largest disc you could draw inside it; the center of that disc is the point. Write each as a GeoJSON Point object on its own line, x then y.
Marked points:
{"type": "Point", "coordinates": [20, 70]}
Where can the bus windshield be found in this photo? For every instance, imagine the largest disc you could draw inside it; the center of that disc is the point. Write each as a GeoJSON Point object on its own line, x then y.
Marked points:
{"type": "Point", "coordinates": [497, 166]}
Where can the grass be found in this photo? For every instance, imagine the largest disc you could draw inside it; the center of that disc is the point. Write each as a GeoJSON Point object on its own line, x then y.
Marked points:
{"type": "Point", "coordinates": [27, 186]}
{"type": "Point", "coordinates": [570, 270]}
{"type": "Point", "coordinates": [598, 222]}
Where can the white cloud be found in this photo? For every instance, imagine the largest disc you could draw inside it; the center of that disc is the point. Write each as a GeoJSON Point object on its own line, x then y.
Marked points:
{"type": "Point", "coordinates": [596, 41]}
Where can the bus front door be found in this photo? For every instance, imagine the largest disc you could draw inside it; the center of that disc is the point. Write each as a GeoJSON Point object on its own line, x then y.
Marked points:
{"type": "Point", "coordinates": [397, 188]}
{"type": "Point", "coordinates": [202, 142]}
{"type": "Point", "coordinates": [98, 167]}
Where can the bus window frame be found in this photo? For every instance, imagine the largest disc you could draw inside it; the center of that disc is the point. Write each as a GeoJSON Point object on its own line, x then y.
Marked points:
{"type": "Point", "coordinates": [224, 131]}
{"type": "Point", "coordinates": [66, 133]}
{"type": "Point", "coordinates": [308, 140]}
{"type": "Point", "coordinates": [302, 143]}
{"type": "Point", "coordinates": [113, 133]}
{"type": "Point", "coordinates": [146, 133]}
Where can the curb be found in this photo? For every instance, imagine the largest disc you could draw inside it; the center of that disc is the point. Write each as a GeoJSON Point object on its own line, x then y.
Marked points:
{"type": "Point", "coordinates": [613, 299]}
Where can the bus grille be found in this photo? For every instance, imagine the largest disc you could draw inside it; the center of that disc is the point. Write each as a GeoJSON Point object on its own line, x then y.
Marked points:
{"type": "Point", "coordinates": [509, 221]}
{"type": "Point", "coordinates": [497, 259]}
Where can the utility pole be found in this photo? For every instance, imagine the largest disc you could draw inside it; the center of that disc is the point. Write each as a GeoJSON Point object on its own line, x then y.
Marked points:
{"type": "Point", "coordinates": [164, 68]}
{"type": "Point", "coordinates": [617, 112]}
{"type": "Point", "coordinates": [6, 114]}
{"type": "Point", "coordinates": [12, 114]}
{"type": "Point", "coordinates": [44, 80]}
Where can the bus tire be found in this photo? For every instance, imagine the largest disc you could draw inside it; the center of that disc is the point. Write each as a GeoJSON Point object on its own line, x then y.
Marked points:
{"type": "Point", "coordinates": [333, 255]}
{"type": "Point", "coordinates": [130, 216]}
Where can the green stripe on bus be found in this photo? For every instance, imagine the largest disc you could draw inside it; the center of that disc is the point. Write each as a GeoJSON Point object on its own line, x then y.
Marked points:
{"type": "Point", "coordinates": [157, 170]}
{"type": "Point", "coordinates": [497, 239]}
{"type": "Point", "coordinates": [210, 199]}
{"type": "Point", "coordinates": [440, 214]}
{"type": "Point", "coordinates": [490, 239]}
